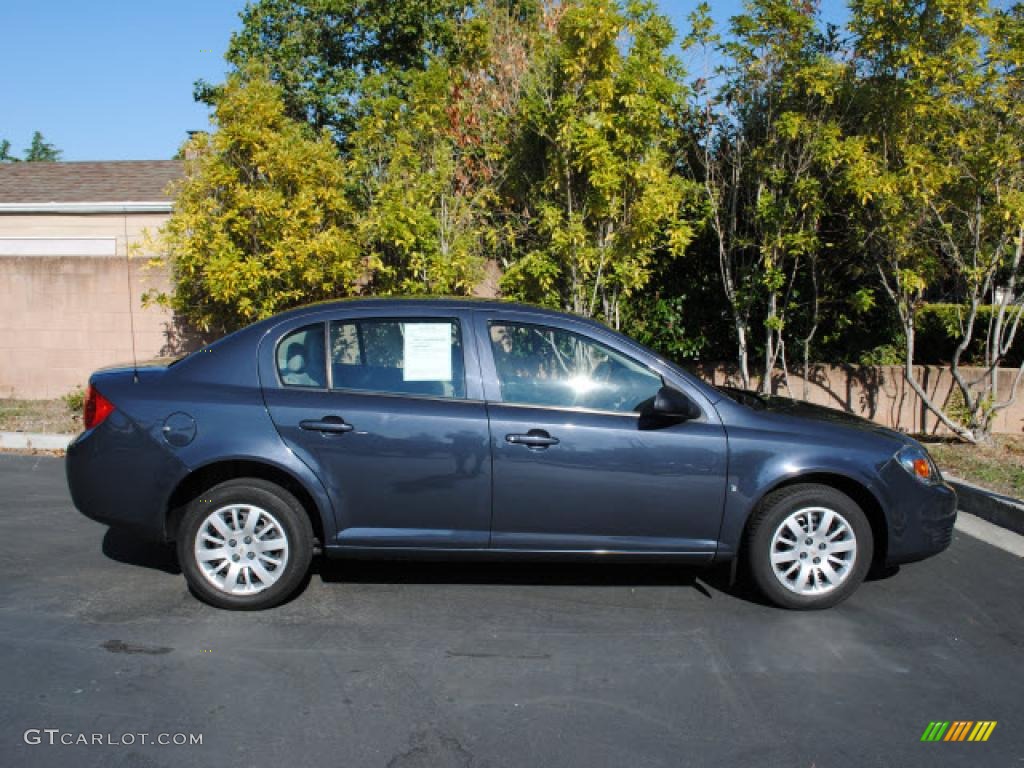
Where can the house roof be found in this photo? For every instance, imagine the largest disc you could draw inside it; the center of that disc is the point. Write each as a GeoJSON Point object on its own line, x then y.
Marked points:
{"type": "Point", "coordinates": [119, 183]}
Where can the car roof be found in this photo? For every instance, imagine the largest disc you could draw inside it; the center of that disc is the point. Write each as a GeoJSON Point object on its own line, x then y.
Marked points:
{"type": "Point", "coordinates": [432, 303]}
{"type": "Point", "coordinates": [251, 334]}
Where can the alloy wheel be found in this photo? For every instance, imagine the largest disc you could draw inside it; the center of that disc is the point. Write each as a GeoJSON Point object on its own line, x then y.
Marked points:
{"type": "Point", "coordinates": [813, 551]}
{"type": "Point", "coordinates": [241, 549]}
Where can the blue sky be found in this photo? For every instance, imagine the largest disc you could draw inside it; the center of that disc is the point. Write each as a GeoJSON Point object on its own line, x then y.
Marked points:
{"type": "Point", "coordinates": [113, 80]}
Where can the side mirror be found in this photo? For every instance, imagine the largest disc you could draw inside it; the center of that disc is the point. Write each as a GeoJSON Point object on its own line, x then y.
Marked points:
{"type": "Point", "coordinates": [673, 404]}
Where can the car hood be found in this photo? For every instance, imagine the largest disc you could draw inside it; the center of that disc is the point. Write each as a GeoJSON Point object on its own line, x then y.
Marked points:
{"type": "Point", "coordinates": [801, 409]}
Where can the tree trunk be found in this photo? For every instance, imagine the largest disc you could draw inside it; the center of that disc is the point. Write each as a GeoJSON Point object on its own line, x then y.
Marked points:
{"type": "Point", "coordinates": [908, 374]}
{"type": "Point", "coordinates": [741, 351]}
{"type": "Point", "coordinates": [770, 346]}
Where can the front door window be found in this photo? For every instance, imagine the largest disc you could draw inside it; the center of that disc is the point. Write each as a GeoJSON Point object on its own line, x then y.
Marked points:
{"type": "Point", "coordinates": [551, 367]}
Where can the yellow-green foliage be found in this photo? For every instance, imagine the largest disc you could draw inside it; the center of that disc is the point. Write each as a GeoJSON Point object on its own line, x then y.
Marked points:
{"type": "Point", "coordinates": [427, 231]}
{"type": "Point", "coordinates": [261, 222]}
{"type": "Point", "coordinates": [601, 111]}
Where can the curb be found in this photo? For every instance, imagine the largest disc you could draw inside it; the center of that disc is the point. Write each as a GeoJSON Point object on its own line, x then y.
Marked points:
{"type": "Point", "coordinates": [34, 441]}
{"type": "Point", "coordinates": [1004, 511]}
{"type": "Point", "coordinates": [983, 530]}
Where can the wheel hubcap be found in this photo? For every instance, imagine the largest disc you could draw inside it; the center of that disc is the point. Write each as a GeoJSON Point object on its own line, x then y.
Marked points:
{"type": "Point", "coordinates": [813, 551]}
{"type": "Point", "coordinates": [241, 549]}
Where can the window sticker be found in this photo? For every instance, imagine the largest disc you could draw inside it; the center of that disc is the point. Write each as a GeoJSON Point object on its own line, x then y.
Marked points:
{"type": "Point", "coordinates": [428, 352]}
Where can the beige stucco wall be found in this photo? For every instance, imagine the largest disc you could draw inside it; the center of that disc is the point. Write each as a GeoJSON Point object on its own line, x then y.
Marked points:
{"type": "Point", "coordinates": [63, 317]}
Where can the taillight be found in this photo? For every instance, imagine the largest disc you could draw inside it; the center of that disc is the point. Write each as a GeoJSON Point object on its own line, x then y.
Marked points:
{"type": "Point", "coordinates": [97, 408]}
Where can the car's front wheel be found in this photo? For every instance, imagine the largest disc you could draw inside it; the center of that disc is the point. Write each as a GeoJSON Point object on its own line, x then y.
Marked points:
{"type": "Point", "coordinates": [245, 544]}
{"type": "Point", "coordinates": [808, 546]}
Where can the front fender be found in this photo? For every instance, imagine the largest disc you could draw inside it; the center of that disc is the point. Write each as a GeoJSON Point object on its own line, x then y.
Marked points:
{"type": "Point", "coordinates": [756, 470]}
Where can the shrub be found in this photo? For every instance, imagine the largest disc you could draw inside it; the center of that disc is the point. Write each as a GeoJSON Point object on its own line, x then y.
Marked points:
{"type": "Point", "coordinates": [884, 354]}
{"type": "Point", "coordinates": [75, 400]}
{"type": "Point", "coordinates": [938, 329]}
{"type": "Point", "coordinates": [661, 324]}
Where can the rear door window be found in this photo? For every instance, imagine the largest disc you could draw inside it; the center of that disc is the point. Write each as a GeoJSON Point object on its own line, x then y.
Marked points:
{"type": "Point", "coordinates": [405, 357]}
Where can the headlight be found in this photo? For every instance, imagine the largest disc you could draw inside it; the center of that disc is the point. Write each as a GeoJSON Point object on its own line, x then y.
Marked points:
{"type": "Point", "coordinates": [918, 463]}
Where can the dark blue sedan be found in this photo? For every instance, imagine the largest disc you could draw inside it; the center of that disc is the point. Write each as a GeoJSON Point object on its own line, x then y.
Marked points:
{"type": "Point", "coordinates": [398, 428]}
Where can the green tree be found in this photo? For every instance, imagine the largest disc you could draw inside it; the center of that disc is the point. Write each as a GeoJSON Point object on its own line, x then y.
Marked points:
{"type": "Point", "coordinates": [5, 152]}
{"type": "Point", "coordinates": [601, 109]}
{"type": "Point", "coordinates": [40, 151]}
{"type": "Point", "coordinates": [420, 217]}
{"type": "Point", "coordinates": [261, 221]}
{"type": "Point", "coordinates": [320, 51]}
{"type": "Point", "coordinates": [769, 141]}
{"type": "Point", "coordinates": [977, 209]}
{"type": "Point", "coordinates": [941, 176]}
{"type": "Point", "coordinates": [429, 155]}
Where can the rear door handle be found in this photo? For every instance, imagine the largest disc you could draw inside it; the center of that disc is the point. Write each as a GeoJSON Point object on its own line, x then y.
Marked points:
{"type": "Point", "coordinates": [535, 438]}
{"type": "Point", "coordinates": [333, 424]}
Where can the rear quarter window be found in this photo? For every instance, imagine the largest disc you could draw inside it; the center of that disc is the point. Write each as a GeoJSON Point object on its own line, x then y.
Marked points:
{"type": "Point", "coordinates": [300, 358]}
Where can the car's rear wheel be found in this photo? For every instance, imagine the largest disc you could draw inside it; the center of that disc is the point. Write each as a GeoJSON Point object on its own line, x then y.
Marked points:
{"type": "Point", "coordinates": [808, 546]}
{"type": "Point", "coordinates": [245, 544]}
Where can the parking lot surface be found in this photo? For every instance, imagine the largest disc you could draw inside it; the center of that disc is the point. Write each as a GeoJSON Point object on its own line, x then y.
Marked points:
{"type": "Point", "coordinates": [413, 664]}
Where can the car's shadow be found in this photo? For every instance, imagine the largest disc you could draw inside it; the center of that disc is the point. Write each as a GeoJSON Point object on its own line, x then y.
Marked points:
{"type": "Point", "coordinates": [706, 581]}
{"type": "Point", "coordinates": [126, 547]}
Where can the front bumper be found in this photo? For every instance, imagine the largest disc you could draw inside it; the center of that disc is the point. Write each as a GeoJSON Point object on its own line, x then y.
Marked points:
{"type": "Point", "coordinates": [920, 517]}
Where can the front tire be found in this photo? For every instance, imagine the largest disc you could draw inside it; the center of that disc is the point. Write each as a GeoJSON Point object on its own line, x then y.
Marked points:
{"type": "Point", "coordinates": [808, 547]}
{"type": "Point", "coordinates": [245, 544]}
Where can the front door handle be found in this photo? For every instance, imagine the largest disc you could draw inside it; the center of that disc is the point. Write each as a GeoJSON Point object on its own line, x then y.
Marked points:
{"type": "Point", "coordinates": [333, 424]}
{"type": "Point", "coordinates": [535, 438]}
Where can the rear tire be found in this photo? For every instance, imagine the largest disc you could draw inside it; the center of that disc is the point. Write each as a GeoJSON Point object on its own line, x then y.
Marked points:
{"type": "Point", "coordinates": [246, 544]}
{"type": "Point", "coordinates": [808, 547]}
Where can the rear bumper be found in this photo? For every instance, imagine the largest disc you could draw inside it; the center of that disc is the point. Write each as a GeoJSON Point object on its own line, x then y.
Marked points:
{"type": "Point", "coordinates": [118, 475]}
{"type": "Point", "coordinates": [921, 517]}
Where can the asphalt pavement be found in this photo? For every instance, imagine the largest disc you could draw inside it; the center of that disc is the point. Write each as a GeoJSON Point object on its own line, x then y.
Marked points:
{"type": "Point", "coordinates": [414, 664]}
